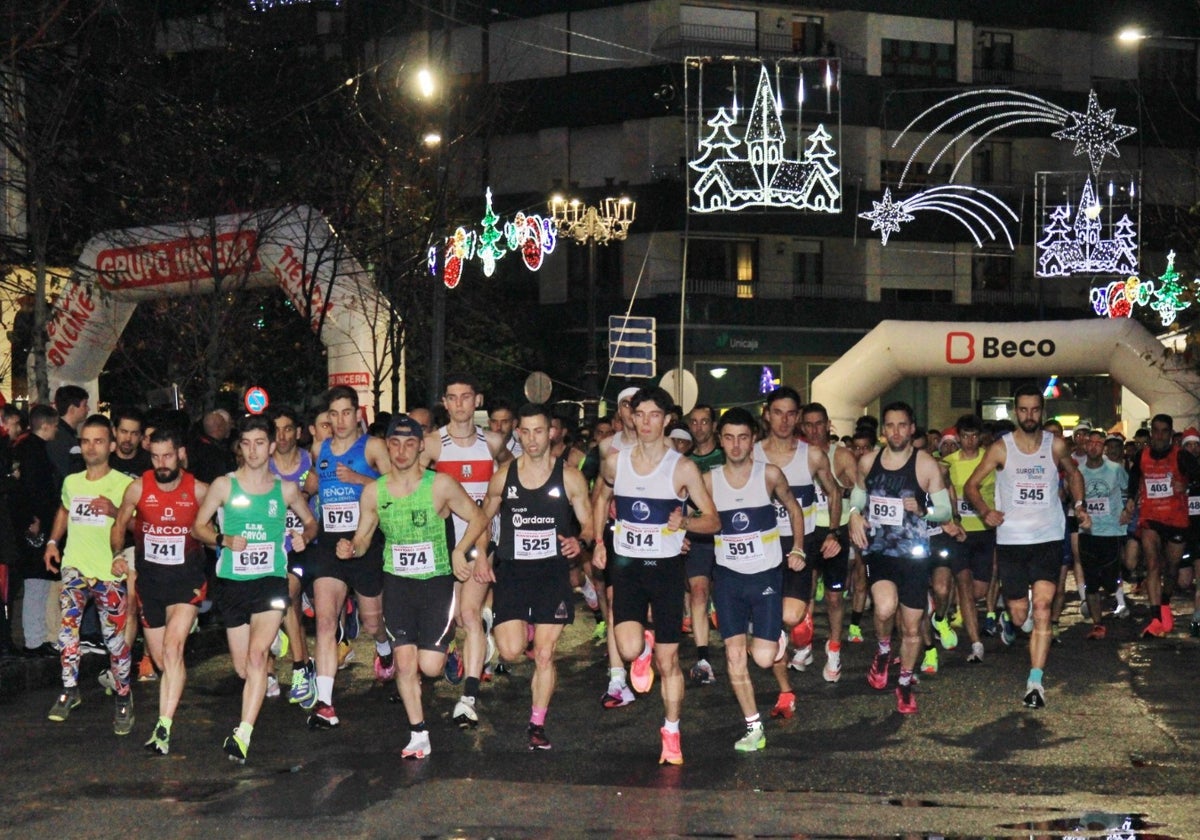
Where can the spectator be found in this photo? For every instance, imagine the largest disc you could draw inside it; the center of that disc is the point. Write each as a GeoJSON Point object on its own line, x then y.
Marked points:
{"type": "Point", "coordinates": [34, 504]}
{"type": "Point", "coordinates": [209, 455]}
{"type": "Point", "coordinates": [71, 403]}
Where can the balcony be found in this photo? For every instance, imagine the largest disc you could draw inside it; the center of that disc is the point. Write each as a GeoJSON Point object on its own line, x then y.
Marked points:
{"type": "Point", "coordinates": [1024, 73]}
{"type": "Point", "coordinates": [677, 42]}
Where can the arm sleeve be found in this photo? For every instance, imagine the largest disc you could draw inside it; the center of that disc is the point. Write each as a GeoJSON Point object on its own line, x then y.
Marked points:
{"type": "Point", "coordinates": [939, 510]}
{"type": "Point", "coordinates": [858, 499]}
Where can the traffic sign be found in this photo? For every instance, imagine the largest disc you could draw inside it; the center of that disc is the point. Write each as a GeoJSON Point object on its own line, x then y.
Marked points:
{"type": "Point", "coordinates": [256, 400]}
{"type": "Point", "coordinates": [631, 346]}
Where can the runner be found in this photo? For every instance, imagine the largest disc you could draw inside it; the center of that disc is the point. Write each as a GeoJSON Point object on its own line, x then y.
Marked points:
{"type": "Point", "coordinates": [748, 578]}
{"type": "Point", "coordinates": [162, 504]}
{"type": "Point", "coordinates": [412, 506]}
{"type": "Point", "coordinates": [1029, 522]}
{"type": "Point", "coordinates": [899, 489]}
{"type": "Point", "coordinates": [538, 500]}
{"type": "Point", "coordinates": [706, 455]}
{"type": "Point", "coordinates": [251, 505]}
{"type": "Point", "coordinates": [86, 517]}
{"type": "Point", "coordinates": [1104, 483]}
{"type": "Point", "coordinates": [649, 484]}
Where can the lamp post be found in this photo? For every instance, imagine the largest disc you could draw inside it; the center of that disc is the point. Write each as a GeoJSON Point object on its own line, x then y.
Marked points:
{"type": "Point", "coordinates": [592, 226]}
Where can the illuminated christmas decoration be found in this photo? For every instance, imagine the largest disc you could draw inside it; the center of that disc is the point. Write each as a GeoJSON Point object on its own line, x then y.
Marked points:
{"type": "Point", "coordinates": [489, 250]}
{"type": "Point", "coordinates": [1118, 298]}
{"type": "Point", "coordinates": [1168, 302]}
{"type": "Point", "coordinates": [977, 210]}
{"type": "Point", "coordinates": [533, 236]}
{"type": "Point", "coordinates": [767, 381]}
{"type": "Point", "coordinates": [268, 5]}
{"type": "Point", "coordinates": [738, 167]}
{"type": "Point", "coordinates": [459, 249]}
{"type": "Point", "coordinates": [980, 113]}
{"type": "Point", "coordinates": [1075, 247]}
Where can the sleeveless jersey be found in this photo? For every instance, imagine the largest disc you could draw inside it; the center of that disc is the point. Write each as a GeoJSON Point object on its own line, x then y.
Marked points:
{"type": "Point", "coordinates": [259, 517]}
{"type": "Point", "coordinates": [471, 466]}
{"type": "Point", "coordinates": [822, 501]}
{"type": "Point", "coordinates": [748, 541]}
{"type": "Point", "coordinates": [1159, 501]}
{"type": "Point", "coordinates": [617, 443]}
{"type": "Point", "coordinates": [164, 522]}
{"type": "Point", "coordinates": [87, 548]}
{"type": "Point", "coordinates": [895, 532]}
{"type": "Point", "coordinates": [298, 475]}
{"type": "Point", "coordinates": [799, 478]}
{"type": "Point", "coordinates": [1027, 493]}
{"type": "Point", "coordinates": [339, 500]}
{"type": "Point", "coordinates": [1102, 489]}
{"type": "Point", "coordinates": [417, 540]}
{"type": "Point", "coordinates": [644, 502]}
{"type": "Point", "coordinates": [531, 520]}
{"type": "Point", "coordinates": [960, 470]}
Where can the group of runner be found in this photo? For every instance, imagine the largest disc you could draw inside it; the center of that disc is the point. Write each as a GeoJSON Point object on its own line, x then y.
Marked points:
{"type": "Point", "coordinates": [433, 529]}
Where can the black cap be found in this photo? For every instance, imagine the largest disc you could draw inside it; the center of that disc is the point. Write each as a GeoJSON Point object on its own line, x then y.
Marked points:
{"type": "Point", "coordinates": [404, 426]}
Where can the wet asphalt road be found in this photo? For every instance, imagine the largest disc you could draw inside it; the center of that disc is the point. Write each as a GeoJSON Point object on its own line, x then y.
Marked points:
{"type": "Point", "coordinates": [1119, 736]}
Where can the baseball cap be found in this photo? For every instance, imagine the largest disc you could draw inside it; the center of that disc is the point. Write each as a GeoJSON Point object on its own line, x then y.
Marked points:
{"type": "Point", "coordinates": [1191, 433]}
{"type": "Point", "coordinates": [681, 434]}
{"type": "Point", "coordinates": [404, 426]}
{"type": "Point", "coordinates": [1084, 426]}
{"type": "Point", "coordinates": [626, 393]}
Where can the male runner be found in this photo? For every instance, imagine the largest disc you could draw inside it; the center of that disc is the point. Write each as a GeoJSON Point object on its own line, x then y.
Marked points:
{"type": "Point", "coordinates": [1104, 484]}
{"type": "Point", "coordinates": [899, 489]}
{"type": "Point", "coordinates": [706, 455]}
{"type": "Point", "coordinates": [469, 455]}
{"type": "Point", "coordinates": [538, 499]}
{"type": "Point", "coordinates": [345, 463]}
{"type": "Point", "coordinates": [748, 578]}
{"type": "Point", "coordinates": [162, 504]}
{"type": "Point", "coordinates": [251, 505]}
{"type": "Point", "coordinates": [649, 484]}
{"type": "Point", "coordinates": [86, 516]}
{"type": "Point", "coordinates": [1029, 521]}
{"type": "Point", "coordinates": [412, 507]}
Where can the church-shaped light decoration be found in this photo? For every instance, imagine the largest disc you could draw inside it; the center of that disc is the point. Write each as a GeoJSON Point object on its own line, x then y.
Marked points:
{"type": "Point", "coordinates": [1079, 245]}
{"type": "Point", "coordinates": [753, 170]}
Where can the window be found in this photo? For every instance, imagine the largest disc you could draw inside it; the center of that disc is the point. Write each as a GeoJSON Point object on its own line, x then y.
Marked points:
{"type": "Point", "coordinates": [919, 59]}
{"type": "Point", "coordinates": [808, 35]}
{"type": "Point", "coordinates": [808, 264]}
{"type": "Point", "coordinates": [916, 296]}
{"type": "Point", "coordinates": [991, 271]}
{"type": "Point", "coordinates": [994, 51]}
{"type": "Point", "coordinates": [722, 266]}
{"type": "Point", "coordinates": [992, 163]}
{"type": "Point", "coordinates": [919, 173]}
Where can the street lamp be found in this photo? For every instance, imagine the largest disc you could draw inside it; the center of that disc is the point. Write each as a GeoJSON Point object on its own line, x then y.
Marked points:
{"type": "Point", "coordinates": [592, 226]}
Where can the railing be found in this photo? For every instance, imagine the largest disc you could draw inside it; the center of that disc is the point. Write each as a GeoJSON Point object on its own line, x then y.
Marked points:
{"type": "Point", "coordinates": [768, 291]}
{"type": "Point", "coordinates": [1025, 72]}
{"type": "Point", "coordinates": [1008, 297]}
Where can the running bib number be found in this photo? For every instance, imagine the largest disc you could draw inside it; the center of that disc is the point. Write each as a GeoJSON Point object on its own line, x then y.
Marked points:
{"type": "Point", "coordinates": [639, 540]}
{"type": "Point", "coordinates": [885, 510]}
{"type": "Point", "coordinates": [534, 545]}
{"type": "Point", "coordinates": [1158, 488]}
{"type": "Point", "coordinates": [254, 559]}
{"type": "Point", "coordinates": [340, 517]}
{"type": "Point", "coordinates": [1193, 505]}
{"type": "Point", "coordinates": [1031, 494]}
{"type": "Point", "coordinates": [743, 548]}
{"type": "Point", "coordinates": [293, 522]}
{"type": "Point", "coordinates": [414, 559]}
{"type": "Point", "coordinates": [965, 508]}
{"type": "Point", "coordinates": [782, 521]}
{"type": "Point", "coordinates": [81, 512]}
{"type": "Point", "coordinates": [1097, 507]}
{"type": "Point", "coordinates": [167, 551]}
{"type": "Point", "coordinates": [822, 499]}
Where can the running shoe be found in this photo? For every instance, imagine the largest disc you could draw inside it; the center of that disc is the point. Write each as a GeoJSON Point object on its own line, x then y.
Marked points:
{"type": "Point", "coordinates": [906, 700]}
{"type": "Point", "coordinates": [854, 634]}
{"type": "Point", "coordinates": [590, 596]}
{"type": "Point", "coordinates": [146, 672]}
{"type": "Point", "coordinates": [1098, 632]}
{"type": "Point", "coordinates": [802, 658]}
{"type": "Point", "coordinates": [160, 741]}
{"type": "Point", "coordinates": [303, 692]}
{"type": "Point", "coordinates": [123, 717]}
{"type": "Point", "coordinates": [1027, 627]}
{"type": "Point", "coordinates": [785, 706]}
{"type": "Point", "coordinates": [350, 627]}
{"type": "Point", "coordinates": [1122, 611]}
{"type": "Point", "coordinates": [946, 635]}
{"type": "Point", "coordinates": [1008, 633]}
{"type": "Point", "coordinates": [617, 696]}
{"type": "Point", "coordinates": [754, 739]}
{"type": "Point", "coordinates": [1194, 629]}
{"type": "Point", "coordinates": [820, 594]}
{"type": "Point", "coordinates": [1035, 696]}
{"type": "Point", "coordinates": [306, 606]}
{"type": "Point", "coordinates": [877, 676]}
{"type": "Point", "coordinates": [641, 674]}
{"type": "Point", "coordinates": [600, 634]}
{"type": "Point", "coordinates": [1167, 618]}
{"type": "Point", "coordinates": [702, 673]}
{"type": "Point", "coordinates": [781, 647]}
{"type": "Point", "coordinates": [687, 624]}
{"type": "Point", "coordinates": [235, 748]}
{"type": "Point", "coordinates": [1155, 628]}
{"type": "Point", "coordinates": [281, 645]}
{"type": "Point", "coordinates": [537, 737]}
{"type": "Point", "coordinates": [454, 664]}
{"type": "Point", "coordinates": [712, 615]}
{"type": "Point", "coordinates": [490, 655]}
{"type": "Point", "coordinates": [802, 633]}
{"type": "Point", "coordinates": [418, 747]}
{"type": "Point", "coordinates": [976, 655]}
{"type": "Point", "coordinates": [93, 646]}
{"type": "Point", "coordinates": [672, 753]}
{"type": "Point", "coordinates": [323, 716]}
{"type": "Point", "coordinates": [833, 665]}
{"type": "Point", "coordinates": [346, 655]}
{"type": "Point", "coordinates": [68, 700]}
{"type": "Point", "coordinates": [929, 665]}
{"type": "Point", "coordinates": [385, 667]}
{"type": "Point", "coordinates": [465, 716]}
{"type": "Point", "coordinates": [487, 617]}
{"type": "Point", "coordinates": [957, 620]}
{"type": "Point", "coordinates": [989, 624]}
{"type": "Point", "coordinates": [272, 686]}
{"type": "Point", "coordinates": [107, 681]}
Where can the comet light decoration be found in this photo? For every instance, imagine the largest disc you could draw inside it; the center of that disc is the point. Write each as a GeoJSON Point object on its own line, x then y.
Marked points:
{"type": "Point", "coordinates": [981, 113]}
{"type": "Point", "coordinates": [980, 212]}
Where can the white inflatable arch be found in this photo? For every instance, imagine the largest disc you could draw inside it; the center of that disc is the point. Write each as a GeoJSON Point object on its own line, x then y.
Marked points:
{"type": "Point", "coordinates": [1119, 347]}
{"type": "Point", "coordinates": [294, 247]}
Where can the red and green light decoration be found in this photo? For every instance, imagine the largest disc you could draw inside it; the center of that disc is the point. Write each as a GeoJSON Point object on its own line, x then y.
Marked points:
{"type": "Point", "coordinates": [1168, 297]}
{"type": "Point", "coordinates": [531, 236]}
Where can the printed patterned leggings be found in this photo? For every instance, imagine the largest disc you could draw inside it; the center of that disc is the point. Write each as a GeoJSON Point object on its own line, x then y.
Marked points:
{"type": "Point", "coordinates": [109, 597]}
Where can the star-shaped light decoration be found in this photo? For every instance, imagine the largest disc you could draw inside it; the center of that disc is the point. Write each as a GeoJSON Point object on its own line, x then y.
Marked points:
{"type": "Point", "coordinates": [887, 216]}
{"type": "Point", "coordinates": [1095, 133]}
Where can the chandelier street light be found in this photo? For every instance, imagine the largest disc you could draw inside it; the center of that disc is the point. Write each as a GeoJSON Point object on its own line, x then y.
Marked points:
{"type": "Point", "coordinates": [592, 225]}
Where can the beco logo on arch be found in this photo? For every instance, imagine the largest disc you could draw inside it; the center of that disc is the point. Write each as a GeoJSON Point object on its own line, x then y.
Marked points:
{"type": "Point", "coordinates": [960, 347]}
